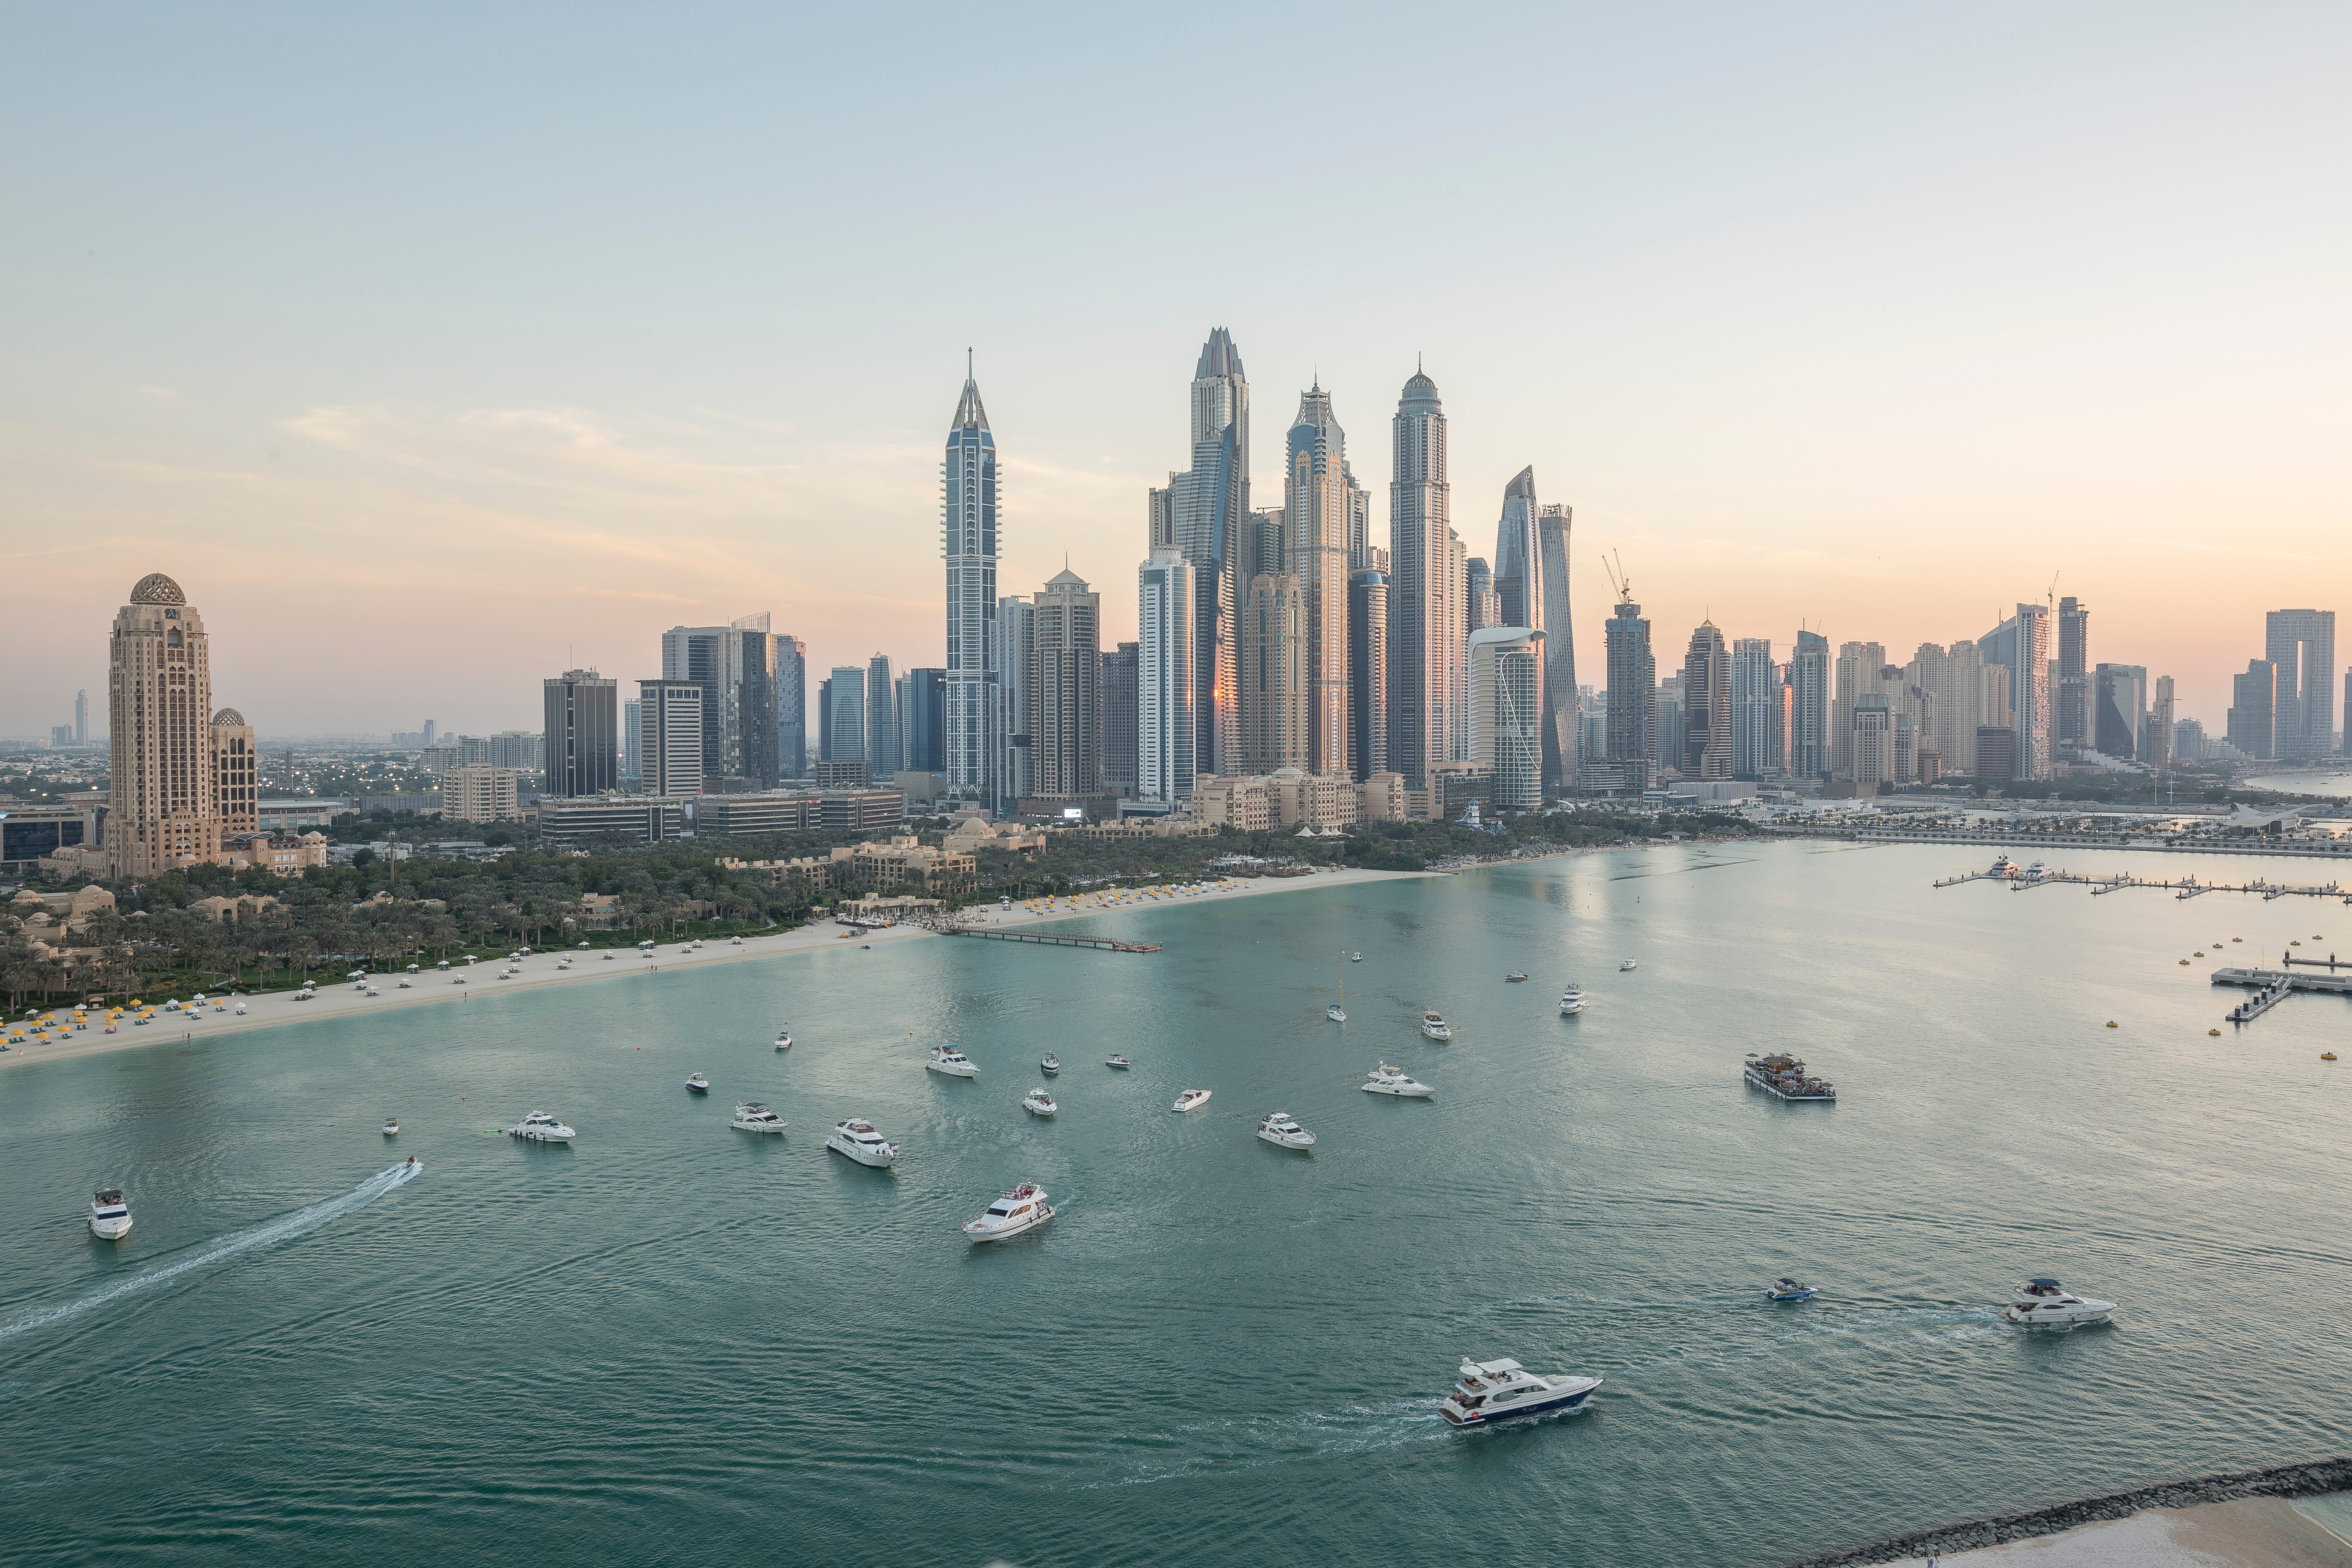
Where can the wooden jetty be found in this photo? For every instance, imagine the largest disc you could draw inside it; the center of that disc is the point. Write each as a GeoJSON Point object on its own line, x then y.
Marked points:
{"type": "Point", "coordinates": [1051, 939]}
{"type": "Point", "coordinates": [2180, 887]}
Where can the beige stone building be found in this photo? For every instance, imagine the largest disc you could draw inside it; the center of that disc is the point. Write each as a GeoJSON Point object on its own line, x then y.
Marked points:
{"type": "Point", "coordinates": [237, 774]}
{"type": "Point", "coordinates": [1291, 798]}
{"type": "Point", "coordinates": [281, 853]}
{"type": "Point", "coordinates": [159, 692]}
{"type": "Point", "coordinates": [479, 792]}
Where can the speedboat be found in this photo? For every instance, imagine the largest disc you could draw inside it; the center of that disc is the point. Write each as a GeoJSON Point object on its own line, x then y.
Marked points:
{"type": "Point", "coordinates": [1788, 1289]}
{"type": "Point", "coordinates": [1492, 1390]}
{"type": "Point", "coordinates": [1114, 1061]}
{"type": "Point", "coordinates": [1386, 1079]}
{"type": "Point", "coordinates": [1627, 964]}
{"type": "Point", "coordinates": [1191, 1099]}
{"type": "Point", "coordinates": [750, 1118]}
{"type": "Point", "coordinates": [784, 1040]}
{"type": "Point", "coordinates": [954, 1063]}
{"type": "Point", "coordinates": [1572, 999]}
{"type": "Point", "coordinates": [1336, 1013]}
{"type": "Point", "coordinates": [2043, 1301]}
{"type": "Point", "coordinates": [1355, 958]}
{"type": "Point", "coordinates": [541, 1128]}
{"type": "Point", "coordinates": [857, 1138]}
{"type": "Point", "coordinates": [1515, 977]}
{"type": "Point", "coordinates": [1279, 1129]}
{"type": "Point", "coordinates": [1051, 1064]}
{"type": "Point", "coordinates": [1037, 1103]}
{"type": "Point", "coordinates": [697, 1082]}
{"type": "Point", "coordinates": [109, 1217]}
{"type": "Point", "coordinates": [1022, 1208]}
{"type": "Point", "coordinates": [392, 1126]}
{"type": "Point", "coordinates": [1435, 1027]}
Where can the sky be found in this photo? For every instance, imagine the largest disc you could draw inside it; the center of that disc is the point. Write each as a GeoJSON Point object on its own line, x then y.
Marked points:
{"type": "Point", "coordinates": [435, 349]}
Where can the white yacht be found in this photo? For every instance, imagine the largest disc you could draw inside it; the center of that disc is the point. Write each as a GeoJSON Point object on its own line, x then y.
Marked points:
{"type": "Point", "coordinates": [1022, 1208]}
{"type": "Point", "coordinates": [1572, 999]}
{"type": "Point", "coordinates": [857, 1138]}
{"type": "Point", "coordinates": [1191, 1099]}
{"type": "Point", "coordinates": [1050, 1065]}
{"type": "Point", "coordinates": [954, 1063]}
{"type": "Point", "coordinates": [750, 1118]}
{"type": "Point", "coordinates": [541, 1128]}
{"type": "Point", "coordinates": [109, 1217]}
{"type": "Point", "coordinates": [697, 1083]}
{"type": "Point", "coordinates": [2036, 871]}
{"type": "Point", "coordinates": [784, 1040]}
{"type": "Point", "coordinates": [392, 1126]}
{"type": "Point", "coordinates": [1336, 1013]}
{"type": "Point", "coordinates": [1037, 1103]}
{"type": "Point", "coordinates": [2044, 1300]}
{"type": "Point", "coordinates": [1627, 964]}
{"type": "Point", "coordinates": [1355, 958]}
{"type": "Point", "coordinates": [1492, 1390]}
{"type": "Point", "coordinates": [1114, 1061]}
{"type": "Point", "coordinates": [1279, 1129]}
{"type": "Point", "coordinates": [1435, 1027]}
{"type": "Point", "coordinates": [1386, 1079]}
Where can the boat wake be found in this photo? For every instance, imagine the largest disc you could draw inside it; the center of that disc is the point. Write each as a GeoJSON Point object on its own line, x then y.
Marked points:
{"type": "Point", "coordinates": [301, 1222]}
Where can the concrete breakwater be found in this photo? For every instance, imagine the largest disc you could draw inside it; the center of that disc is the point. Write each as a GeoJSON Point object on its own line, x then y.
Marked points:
{"type": "Point", "coordinates": [2283, 1481]}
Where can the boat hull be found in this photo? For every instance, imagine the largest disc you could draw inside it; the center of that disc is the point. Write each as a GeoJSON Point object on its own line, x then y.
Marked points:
{"type": "Point", "coordinates": [1423, 1092]}
{"type": "Point", "coordinates": [864, 1157]}
{"type": "Point", "coordinates": [110, 1229]}
{"type": "Point", "coordinates": [1006, 1232]}
{"type": "Point", "coordinates": [1552, 1406]}
{"type": "Point", "coordinates": [1281, 1143]}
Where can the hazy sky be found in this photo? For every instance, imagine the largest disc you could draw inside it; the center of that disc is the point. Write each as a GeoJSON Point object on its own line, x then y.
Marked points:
{"type": "Point", "coordinates": [432, 348]}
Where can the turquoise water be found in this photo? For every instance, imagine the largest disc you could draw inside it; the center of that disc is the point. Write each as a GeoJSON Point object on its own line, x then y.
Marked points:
{"type": "Point", "coordinates": [674, 1343]}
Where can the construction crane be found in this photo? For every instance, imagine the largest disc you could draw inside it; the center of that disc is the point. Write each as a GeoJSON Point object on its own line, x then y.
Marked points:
{"type": "Point", "coordinates": [2052, 594]}
{"type": "Point", "coordinates": [1617, 578]}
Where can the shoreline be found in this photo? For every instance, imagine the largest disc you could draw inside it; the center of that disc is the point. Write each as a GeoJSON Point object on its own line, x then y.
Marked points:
{"type": "Point", "coordinates": [336, 999]}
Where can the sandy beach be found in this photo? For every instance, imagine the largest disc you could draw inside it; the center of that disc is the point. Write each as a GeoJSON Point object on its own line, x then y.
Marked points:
{"type": "Point", "coordinates": [337, 997]}
{"type": "Point", "coordinates": [2250, 1532]}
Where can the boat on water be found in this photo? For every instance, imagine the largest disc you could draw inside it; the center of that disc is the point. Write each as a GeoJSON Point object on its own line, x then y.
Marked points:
{"type": "Point", "coordinates": [2002, 865]}
{"type": "Point", "coordinates": [1116, 1062]}
{"type": "Point", "coordinates": [109, 1217]}
{"type": "Point", "coordinates": [1435, 1027]}
{"type": "Point", "coordinates": [1572, 1000]}
{"type": "Point", "coordinates": [1052, 1064]}
{"type": "Point", "coordinates": [1494, 1390]}
{"type": "Point", "coordinates": [1022, 1208]}
{"type": "Point", "coordinates": [1386, 1079]}
{"type": "Point", "coordinates": [784, 1040]}
{"type": "Point", "coordinates": [2036, 871]}
{"type": "Point", "coordinates": [1191, 1099]}
{"type": "Point", "coordinates": [1336, 1013]}
{"type": "Point", "coordinates": [952, 1062]}
{"type": "Point", "coordinates": [1355, 958]}
{"type": "Point", "coordinates": [697, 1083]}
{"type": "Point", "coordinates": [1037, 1103]}
{"type": "Point", "coordinates": [1784, 1075]}
{"type": "Point", "coordinates": [1629, 963]}
{"type": "Point", "coordinates": [856, 1137]}
{"type": "Point", "coordinates": [2043, 1303]}
{"type": "Point", "coordinates": [750, 1118]}
{"type": "Point", "coordinates": [1281, 1131]}
{"type": "Point", "coordinates": [541, 1128]}
{"type": "Point", "coordinates": [1787, 1289]}
{"type": "Point", "coordinates": [1515, 977]}
{"type": "Point", "coordinates": [392, 1126]}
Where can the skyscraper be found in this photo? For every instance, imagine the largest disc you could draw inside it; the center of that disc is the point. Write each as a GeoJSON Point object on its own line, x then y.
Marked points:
{"type": "Point", "coordinates": [632, 747]}
{"type": "Point", "coordinates": [2029, 691]}
{"type": "Point", "coordinates": [159, 694]}
{"type": "Point", "coordinates": [1202, 514]}
{"type": "Point", "coordinates": [882, 758]}
{"type": "Point", "coordinates": [846, 716]}
{"type": "Point", "coordinates": [1426, 587]}
{"type": "Point", "coordinates": [1165, 690]}
{"type": "Point", "coordinates": [922, 721]}
{"type": "Point", "coordinates": [581, 733]}
{"type": "Point", "coordinates": [1859, 665]}
{"type": "Point", "coordinates": [792, 707]}
{"type": "Point", "coordinates": [1755, 707]}
{"type": "Point", "coordinates": [1632, 692]}
{"type": "Point", "coordinates": [2302, 643]}
{"type": "Point", "coordinates": [81, 718]}
{"type": "Point", "coordinates": [1479, 608]}
{"type": "Point", "coordinates": [735, 665]}
{"type": "Point", "coordinates": [1016, 631]}
{"type": "Point", "coordinates": [2158, 753]}
{"type": "Point", "coordinates": [2119, 714]}
{"type": "Point", "coordinates": [969, 540]}
{"type": "Point", "coordinates": [2254, 710]}
{"type": "Point", "coordinates": [2076, 725]}
{"type": "Point", "coordinates": [1120, 696]}
{"type": "Point", "coordinates": [1560, 725]}
{"type": "Point", "coordinates": [1809, 707]}
{"type": "Point", "coordinates": [1272, 686]}
{"type": "Point", "coordinates": [669, 740]}
{"type": "Point", "coordinates": [1367, 672]}
{"type": "Point", "coordinates": [1518, 557]}
{"type": "Point", "coordinates": [1506, 724]}
{"type": "Point", "coordinates": [1316, 518]}
{"type": "Point", "coordinates": [1064, 693]}
{"type": "Point", "coordinates": [1707, 705]}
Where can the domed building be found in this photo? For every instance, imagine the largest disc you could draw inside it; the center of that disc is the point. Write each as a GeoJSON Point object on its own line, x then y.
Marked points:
{"type": "Point", "coordinates": [175, 763]}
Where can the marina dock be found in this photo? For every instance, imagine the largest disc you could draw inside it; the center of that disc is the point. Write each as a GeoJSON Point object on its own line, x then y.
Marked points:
{"type": "Point", "coordinates": [2180, 887]}
{"type": "Point", "coordinates": [1045, 939]}
{"type": "Point", "coordinates": [2273, 986]}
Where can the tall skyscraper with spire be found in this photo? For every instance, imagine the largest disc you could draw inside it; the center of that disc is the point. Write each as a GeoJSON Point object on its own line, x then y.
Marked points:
{"type": "Point", "coordinates": [1202, 513]}
{"type": "Point", "coordinates": [1426, 624]}
{"type": "Point", "coordinates": [1315, 508]}
{"type": "Point", "coordinates": [1562, 722]}
{"type": "Point", "coordinates": [1518, 562]}
{"type": "Point", "coordinates": [969, 540]}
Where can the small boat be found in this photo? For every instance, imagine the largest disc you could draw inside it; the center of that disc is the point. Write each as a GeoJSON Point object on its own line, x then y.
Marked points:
{"type": "Point", "coordinates": [1515, 977]}
{"type": "Point", "coordinates": [784, 1040]}
{"type": "Point", "coordinates": [541, 1128]}
{"type": "Point", "coordinates": [1572, 999]}
{"type": "Point", "coordinates": [750, 1118]}
{"type": "Point", "coordinates": [856, 1137]}
{"type": "Point", "coordinates": [1191, 1099]}
{"type": "Point", "coordinates": [1627, 964]}
{"type": "Point", "coordinates": [2044, 1301]}
{"type": "Point", "coordinates": [1280, 1129]}
{"type": "Point", "coordinates": [1788, 1289]}
{"type": "Point", "coordinates": [1022, 1208]}
{"type": "Point", "coordinates": [1435, 1027]}
{"type": "Point", "coordinates": [2327, 1055]}
{"type": "Point", "coordinates": [109, 1217]}
{"type": "Point", "coordinates": [1037, 1103]}
{"type": "Point", "coordinates": [1336, 1013]}
{"type": "Point", "coordinates": [1355, 958]}
{"type": "Point", "coordinates": [1052, 1064]}
{"type": "Point", "coordinates": [952, 1062]}
{"type": "Point", "coordinates": [1492, 1391]}
{"type": "Point", "coordinates": [697, 1083]}
{"type": "Point", "coordinates": [1386, 1079]}
{"type": "Point", "coordinates": [1114, 1061]}
{"type": "Point", "coordinates": [392, 1126]}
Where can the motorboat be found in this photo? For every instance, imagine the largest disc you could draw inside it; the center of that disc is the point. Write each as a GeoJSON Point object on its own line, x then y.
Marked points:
{"type": "Point", "coordinates": [541, 1128]}
{"type": "Point", "coordinates": [392, 1126]}
{"type": "Point", "coordinates": [1050, 1065]}
{"type": "Point", "coordinates": [1022, 1208]}
{"type": "Point", "coordinates": [784, 1040]}
{"type": "Point", "coordinates": [1116, 1062]}
{"type": "Point", "coordinates": [1435, 1027]}
{"type": "Point", "coordinates": [697, 1083]}
{"type": "Point", "coordinates": [1572, 1000]}
{"type": "Point", "coordinates": [1787, 1289]}
{"type": "Point", "coordinates": [1191, 1099]}
{"type": "Point", "coordinates": [1515, 977]}
{"type": "Point", "coordinates": [1336, 1013]}
{"type": "Point", "coordinates": [750, 1118]}
{"type": "Point", "coordinates": [1626, 965]}
{"type": "Point", "coordinates": [1037, 1103]}
{"type": "Point", "coordinates": [2043, 1301]}
{"type": "Point", "coordinates": [1492, 1390]}
{"type": "Point", "coordinates": [1281, 1131]}
{"type": "Point", "coordinates": [1355, 958]}
{"type": "Point", "coordinates": [857, 1138]}
{"type": "Point", "coordinates": [952, 1062]}
{"type": "Point", "coordinates": [2002, 865]}
{"type": "Point", "coordinates": [1386, 1079]}
{"type": "Point", "coordinates": [109, 1217]}
{"type": "Point", "coordinates": [2036, 871]}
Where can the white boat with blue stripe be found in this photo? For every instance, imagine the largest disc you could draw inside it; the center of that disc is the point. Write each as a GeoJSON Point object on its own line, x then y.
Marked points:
{"type": "Point", "coordinates": [1497, 1391]}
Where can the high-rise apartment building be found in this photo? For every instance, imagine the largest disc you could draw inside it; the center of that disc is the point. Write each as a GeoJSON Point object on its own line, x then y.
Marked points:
{"type": "Point", "coordinates": [1633, 694]}
{"type": "Point", "coordinates": [1668, 724]}
{"type": "Point", "coordinates": [1479, 608]}
{"type": "Point", "coordinates": [1165, 690]}
{"type": "Point", "coordinates": [1065, 689]}
{"type": "Point", "coordinates": [1707, 705]}
{"type": "Point", "coordinates": [2157, 747]}
{"type": "Point", "coordinates": [970, 541]}
{"type": "Point", "coordinates": [1121, 694]}
{"type": "Point", "coordinates": [1367, 672]}
{"type": "Point", "coordinates": [1548, 596]}
{"type": "Point", "coordinates": [1952, 683]}
{"type": "Point", "coordinates": [1756, 689]}
{"type": "Point", "coordinates": [1860, 666]}
{"type": "Point", "coordinates": [844, 717]}
{"type": "Point", "coordinates": [2077, 725]}
{"type": "Point", "coordinates": [2029, 691]}
{"type": "Point", "coordinates": [670, 737]}
{"type": "Point", "coordinates": [632, 756]}
{"type": "Point", "coordinates": [479, 792]}
{"type": "Point", "coordinates": [1202, 514]}
{"type": "Point", "coordinates": [1426, 583]}
{"type": "Point", "coordinates": [2119, 710]}
{"type": "Point", "coordinates": [1274, 675]}
{"type": "Point", "coordinates": [1809, 707]}
{"type": "Point", "coordinates": [882, 754]}
{"type": "Point", "coordinates": [1518, 557]}
{"type": "Point", "coordinates": [81, 717]}
{"type": "Point", "coordinates": [736, 666]}
{"type": "Point", "coordinates": [922, 720]}
{"type": "Point", "coordinates": [1872, 748]}
{"type": "Point", "coordinates": [1316, 518]}
{"type": "Point", "coordinates": [2301, 645]}
{"type": "Point", "coordinates": [1506, 718]}
{"type": "Point", "coordinates": [159, 695]}
{"type": "Point", "coordinates": [2254, 710]}
{"type": "Point", "coordinates": [1017, 633]}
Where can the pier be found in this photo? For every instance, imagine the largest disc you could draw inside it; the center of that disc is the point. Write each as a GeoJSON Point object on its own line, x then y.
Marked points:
{"type": "Point", "coordinates": [1047, 939]}
{"type": "Point", "coordinates": [2273, 986]}
{"type": "Point", "coordinates": [2180, 887]}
